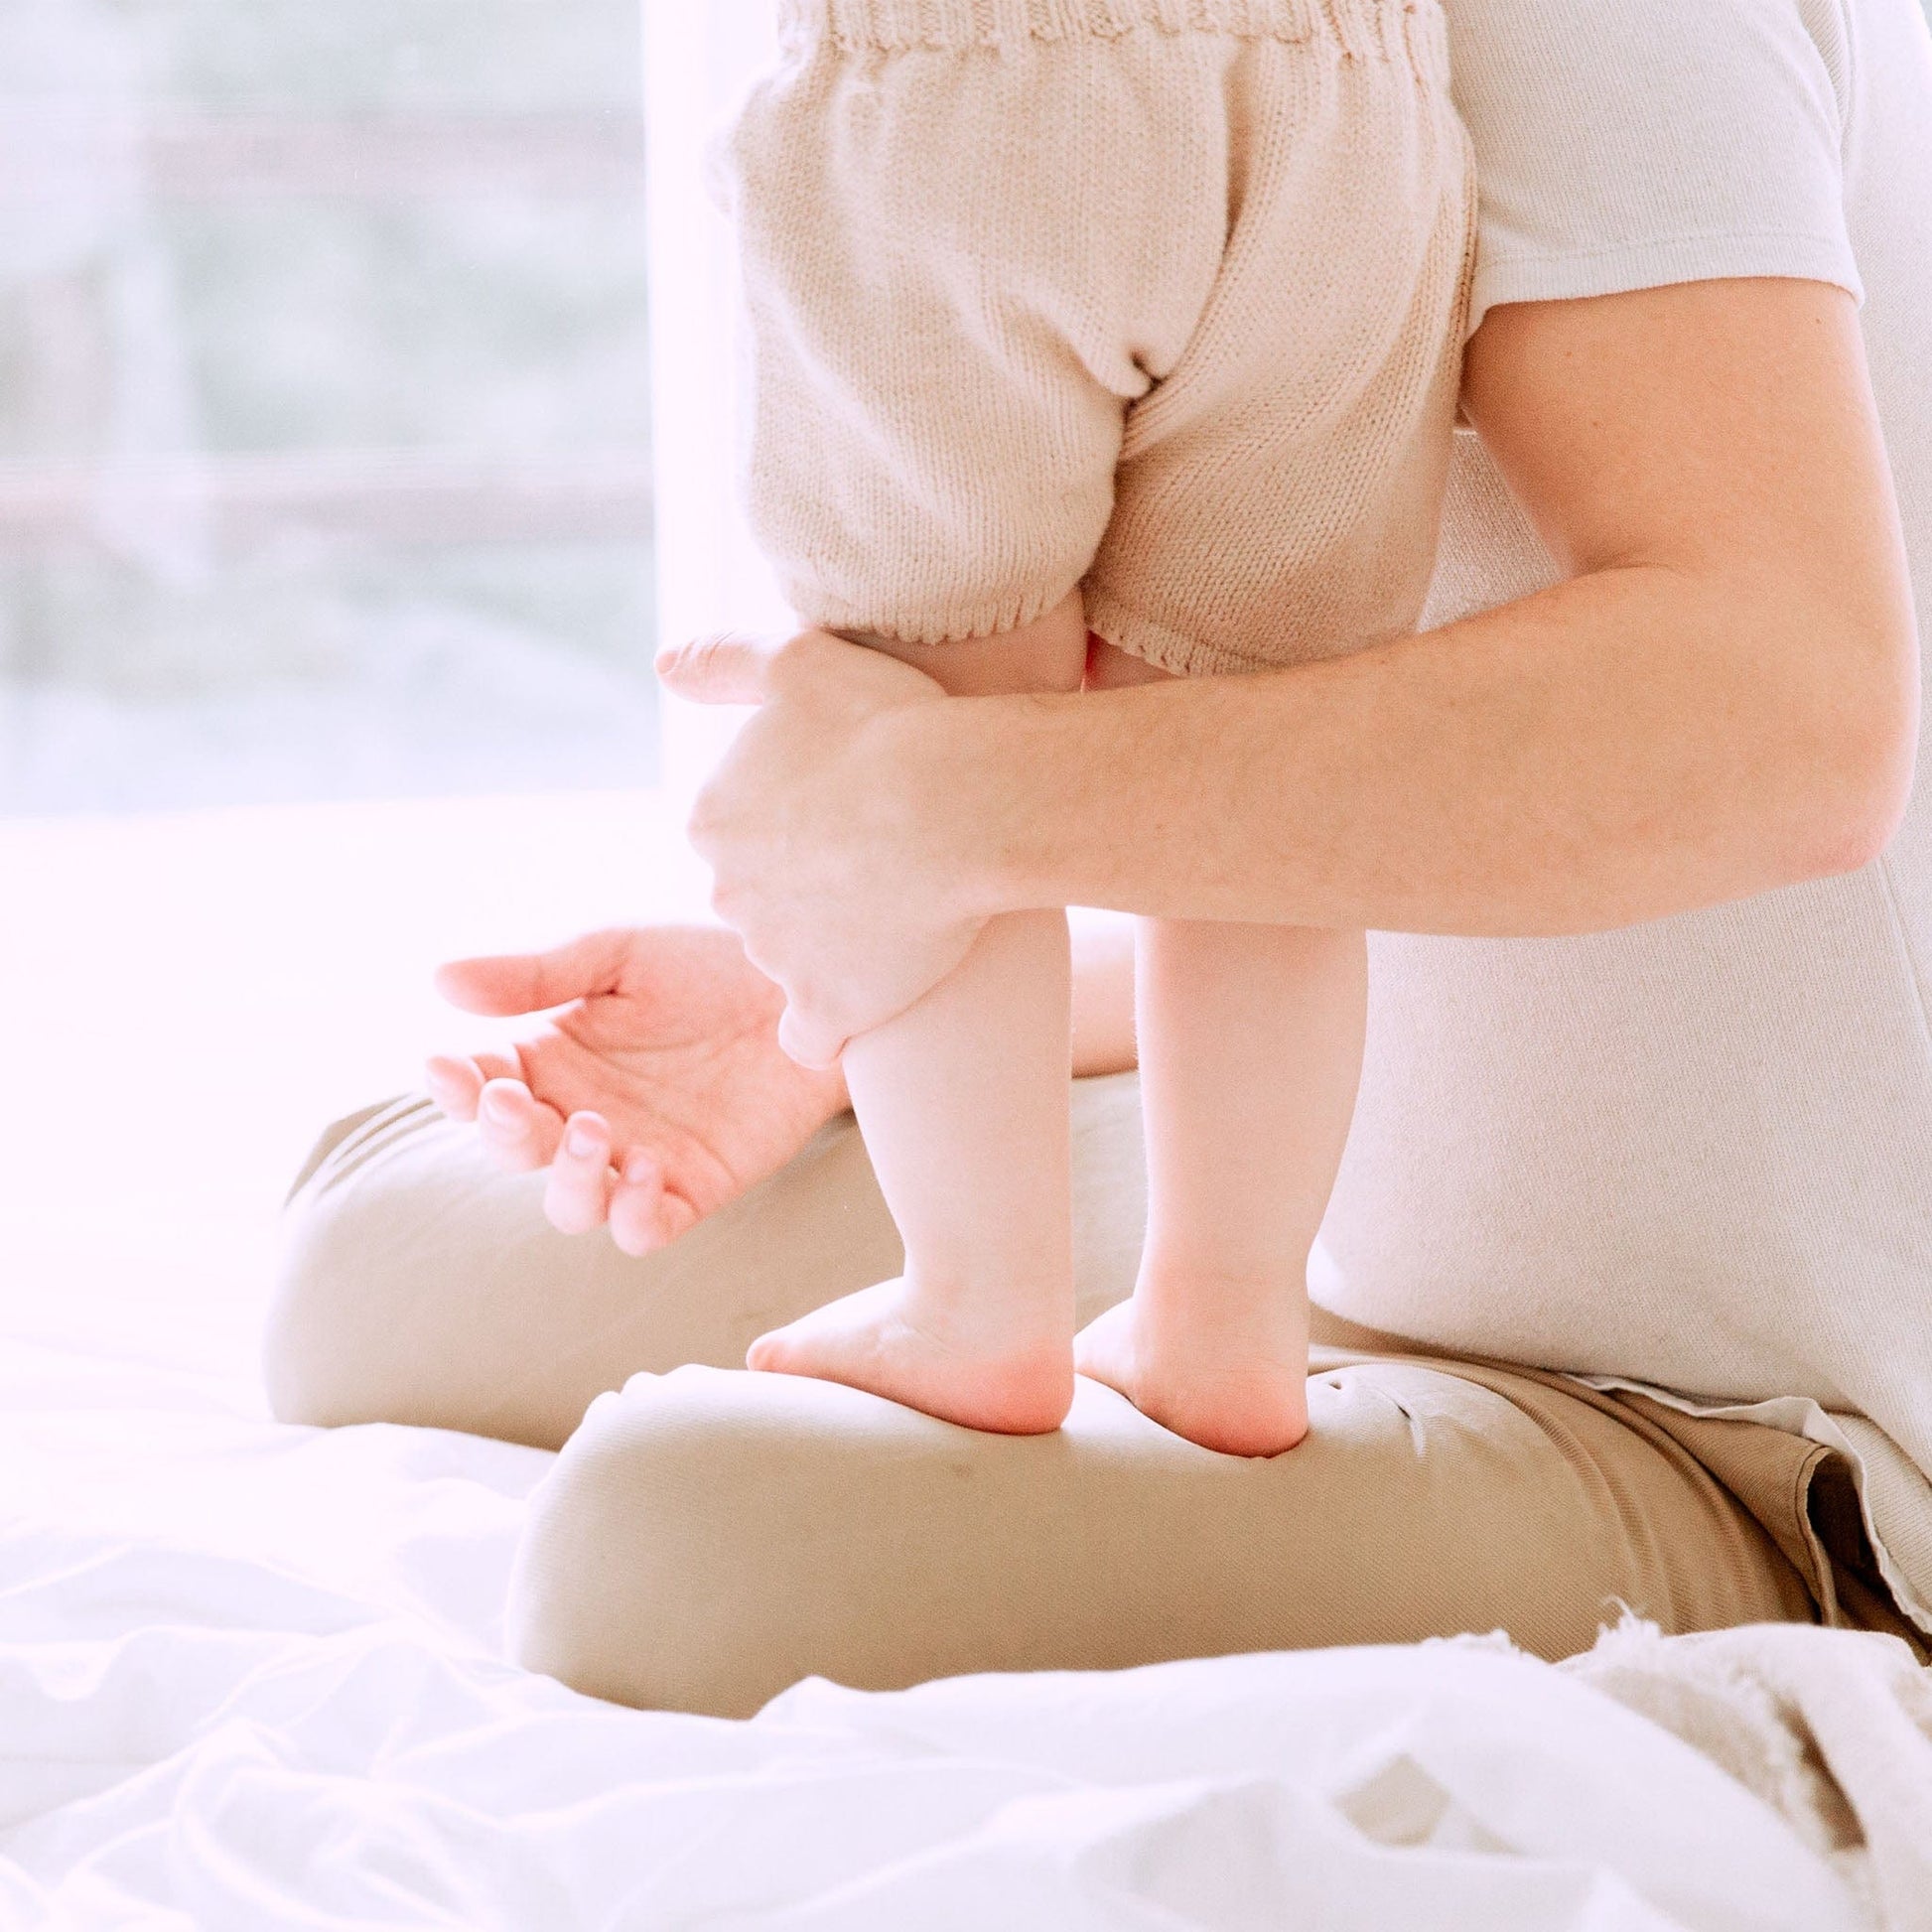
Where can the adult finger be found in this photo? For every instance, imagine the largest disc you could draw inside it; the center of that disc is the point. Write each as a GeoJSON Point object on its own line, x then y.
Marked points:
{"type": "Point", "coordinates": [719, 669]}
{"type": "Point", "coordinates": [518, 1131]}
{"type": "Point", "coordinates": [577, 1195]}
{"type": "Point", "coordinates": [508, 983]}
{"type": "Point", "coordinates": [455, 1080]}
{"type": "Point", "coordinates": [809, 1043]}
{"type": "Point", "coordinates": [644, 1214]}
{"type": "Point", "coordinates": [455, 1084]}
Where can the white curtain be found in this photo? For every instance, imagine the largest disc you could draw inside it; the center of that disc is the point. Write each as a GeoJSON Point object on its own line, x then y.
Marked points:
{"type": "Point", "coordinates": [699, 54]}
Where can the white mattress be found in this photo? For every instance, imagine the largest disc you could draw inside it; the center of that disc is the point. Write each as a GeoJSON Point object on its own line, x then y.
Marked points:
{"type": "Point", "coordinates": [249, 1674]}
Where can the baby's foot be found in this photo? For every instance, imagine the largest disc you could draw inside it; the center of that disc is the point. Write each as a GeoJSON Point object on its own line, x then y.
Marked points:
{"type": "Point", "coordinates": [893, 1342]}
{"type": "Point", "coordinates": [1245, 1397]}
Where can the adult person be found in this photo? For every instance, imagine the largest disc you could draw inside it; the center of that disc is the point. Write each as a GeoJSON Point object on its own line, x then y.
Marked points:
{"type": "Point", "coordinates": [1626, 1269]}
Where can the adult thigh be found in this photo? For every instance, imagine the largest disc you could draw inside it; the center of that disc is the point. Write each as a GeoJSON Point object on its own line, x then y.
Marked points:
{"type": "Point", "coordinates": [706, 1539]}
{"type": "Point", "coordinates": [420, 1284]}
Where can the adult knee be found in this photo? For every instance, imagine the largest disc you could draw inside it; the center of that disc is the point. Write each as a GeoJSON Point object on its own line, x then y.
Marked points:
{"type": "Point", "coordinates": [631, 1581]}
{"type": "Point", "coordinates": [707, 1538]}
{"type": "Point", "coordinates": [315, 1353]}
{"type": "Point", "coordinates": [351, 1330]}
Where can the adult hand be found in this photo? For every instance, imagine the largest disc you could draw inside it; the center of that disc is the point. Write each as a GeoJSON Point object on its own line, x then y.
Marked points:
{"type": "Point", "coordinates": [655, 1097]}
{"type": "Point", "coordinates": [807, 829]}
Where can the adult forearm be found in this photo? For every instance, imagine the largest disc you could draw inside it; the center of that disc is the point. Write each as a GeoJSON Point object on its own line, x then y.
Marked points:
{"type": "Point", "coordinates": [1720, 698]}
{"type": "Point", "coordinates": [1626, 744]}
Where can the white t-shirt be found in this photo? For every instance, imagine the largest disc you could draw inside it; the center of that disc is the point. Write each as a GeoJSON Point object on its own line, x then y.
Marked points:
{"type": "Point", "coordinates": [1695, 1156]}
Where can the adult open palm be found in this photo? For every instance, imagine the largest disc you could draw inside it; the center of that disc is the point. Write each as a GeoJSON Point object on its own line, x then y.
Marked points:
{"type": "Point", "coordinates": [656, 1093]}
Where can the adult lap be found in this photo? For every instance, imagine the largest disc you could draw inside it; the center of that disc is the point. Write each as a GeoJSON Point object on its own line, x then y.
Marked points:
{"type": "Point", "coordinates": [708, 1538]}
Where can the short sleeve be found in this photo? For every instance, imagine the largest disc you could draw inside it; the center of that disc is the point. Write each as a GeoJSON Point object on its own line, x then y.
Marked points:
{"type": "Point", "coordinates": [1625, 144]}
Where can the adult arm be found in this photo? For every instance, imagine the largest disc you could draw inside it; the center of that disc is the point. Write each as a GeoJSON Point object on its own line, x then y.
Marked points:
{"type": "Point", "coordinates": [1722, 697]}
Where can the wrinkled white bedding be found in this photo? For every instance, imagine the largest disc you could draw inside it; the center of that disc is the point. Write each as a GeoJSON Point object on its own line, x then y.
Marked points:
{"type": "Point", "coordinates": [249, 1675]}
{"type": "Point", "coordinates": [250, 1679]}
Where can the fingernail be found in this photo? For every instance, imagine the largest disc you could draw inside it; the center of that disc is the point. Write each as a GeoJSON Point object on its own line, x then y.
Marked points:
{"type": "Point", "coordinates": [582, 1141]}
{"type": "Point", "coordinates": [497, 1106]}
{"type": "Point", "coordinates": [638, 1169]}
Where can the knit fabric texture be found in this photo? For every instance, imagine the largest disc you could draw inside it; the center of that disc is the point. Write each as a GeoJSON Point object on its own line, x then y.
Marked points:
{"type": "Point", "coordinates": [1160, 299]}
{"type": "Point", "coordinates": [1361, 28]}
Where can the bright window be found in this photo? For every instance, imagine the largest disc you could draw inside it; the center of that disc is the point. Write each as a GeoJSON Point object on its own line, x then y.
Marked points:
{"type": "Point", "coordinates": [324, 455]}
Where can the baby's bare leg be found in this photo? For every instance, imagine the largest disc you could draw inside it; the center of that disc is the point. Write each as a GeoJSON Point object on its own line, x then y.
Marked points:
{"type": "Point", "coordinates": [963, 1102]}
{"type": "Point", "coordinates": [1251, 1050]}
{"type": "Point", "coordinates": [1250, 1053]}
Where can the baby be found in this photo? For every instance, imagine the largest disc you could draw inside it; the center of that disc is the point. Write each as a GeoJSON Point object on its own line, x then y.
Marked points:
{"type": "Point", "coordinates": [1098, 341]}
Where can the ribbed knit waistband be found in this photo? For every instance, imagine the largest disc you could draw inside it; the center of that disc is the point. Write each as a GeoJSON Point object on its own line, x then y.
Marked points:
{"type": "Point", "coordinates": [1410, 30]}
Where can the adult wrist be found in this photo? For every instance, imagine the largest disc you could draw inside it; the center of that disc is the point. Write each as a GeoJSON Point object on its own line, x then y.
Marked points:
{"type": "Point", "coordinates": [951, 773]}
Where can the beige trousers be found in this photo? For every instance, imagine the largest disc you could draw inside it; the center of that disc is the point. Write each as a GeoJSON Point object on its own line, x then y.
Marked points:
{"type": "Point", "coordinates": [707, 1538]}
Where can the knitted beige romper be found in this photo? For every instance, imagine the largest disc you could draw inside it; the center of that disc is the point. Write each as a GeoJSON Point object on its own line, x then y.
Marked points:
{"type": "Point", "coordinates": [1163, 298]}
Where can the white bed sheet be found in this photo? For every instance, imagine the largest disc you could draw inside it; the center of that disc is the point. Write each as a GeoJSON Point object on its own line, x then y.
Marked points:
{"type": "Point", "coordinates": [250, 1676]}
